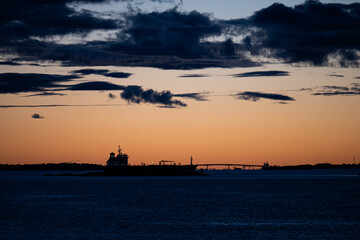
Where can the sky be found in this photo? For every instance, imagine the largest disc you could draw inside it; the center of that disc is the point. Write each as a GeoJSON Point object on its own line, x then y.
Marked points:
{"type": "Point", "coordinates": [229, 81]}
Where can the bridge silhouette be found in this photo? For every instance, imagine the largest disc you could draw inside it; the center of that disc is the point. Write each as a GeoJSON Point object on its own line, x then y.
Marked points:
{"type": "Point", "coordinates": [243, 166]}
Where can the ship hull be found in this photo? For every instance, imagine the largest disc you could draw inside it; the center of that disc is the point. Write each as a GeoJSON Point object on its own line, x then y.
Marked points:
{"type": "Point", "coordinates": [152, 170]}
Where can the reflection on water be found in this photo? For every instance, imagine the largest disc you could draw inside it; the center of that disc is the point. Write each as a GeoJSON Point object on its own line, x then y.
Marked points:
{"type": "Point", "coordinates": [312, 204]}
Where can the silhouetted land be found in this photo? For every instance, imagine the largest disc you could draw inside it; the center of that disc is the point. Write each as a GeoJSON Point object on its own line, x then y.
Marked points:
{"type": "Point", "coordinates": [88, 166]}
{"type": "Point", "coordinates": [149, 170]}
{"type": "Point", "coordinates": [316, 166]}
{"type": "Point", "coordinates": [51, 166]}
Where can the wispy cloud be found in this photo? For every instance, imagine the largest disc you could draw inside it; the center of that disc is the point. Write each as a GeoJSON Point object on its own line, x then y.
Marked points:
{"type": "Point", "coordinates": [45, 94]}
{"type": "Point", "coordinates": [255, 96]}
{"type": "Point", "coordinates": [102, 72]}
{"type": "Point", "coordinates": [336, 91]}
{"type": "Point", "coordinates": [336, 88]}
{"type": "Point", "coordinates": [335, 75]}
{"type": "Point", "coordinates": [193, 75]}
{"type": "Point", "coordinates": [262, 74]}
{"type": "Point", "coordinates": [195, 96]}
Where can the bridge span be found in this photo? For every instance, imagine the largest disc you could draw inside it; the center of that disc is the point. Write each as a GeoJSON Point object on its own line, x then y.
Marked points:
{"type": "Point", "coordinates": [234, 165]}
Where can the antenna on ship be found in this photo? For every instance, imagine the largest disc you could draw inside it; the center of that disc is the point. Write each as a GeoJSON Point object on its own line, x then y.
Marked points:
{"type": "Point", "coordinates": [119, 150]}
{"type": "Point", "coordinates": [191, 159]}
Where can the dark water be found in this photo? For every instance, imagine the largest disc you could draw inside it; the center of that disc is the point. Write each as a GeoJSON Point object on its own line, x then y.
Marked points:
{"type": "Point", "coordinates": [312, 204]}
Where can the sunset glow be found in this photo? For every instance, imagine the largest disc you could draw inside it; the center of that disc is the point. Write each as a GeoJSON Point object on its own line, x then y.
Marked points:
{"type": "Point", "coordinates": [247, 106]}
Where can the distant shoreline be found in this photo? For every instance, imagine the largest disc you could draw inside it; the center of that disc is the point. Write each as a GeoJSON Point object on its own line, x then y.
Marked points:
{"type": "Point", "coordinates": [51, 166]}
{"type": "Point", "coordinates": [316, 166]}
{"type": "Point", "coordinates": [88, 166]}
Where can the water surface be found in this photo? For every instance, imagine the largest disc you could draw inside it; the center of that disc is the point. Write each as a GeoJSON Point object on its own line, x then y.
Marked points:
{"type": "Point", "coordinates": [283, 204]}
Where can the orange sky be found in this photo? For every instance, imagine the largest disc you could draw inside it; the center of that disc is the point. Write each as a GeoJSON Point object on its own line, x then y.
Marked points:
{"type": "Point", "coordinates": [312, 129]}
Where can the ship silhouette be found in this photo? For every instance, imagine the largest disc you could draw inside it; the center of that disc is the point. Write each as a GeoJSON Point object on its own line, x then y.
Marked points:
{"type": "Point", "coordinates": [119, 166]}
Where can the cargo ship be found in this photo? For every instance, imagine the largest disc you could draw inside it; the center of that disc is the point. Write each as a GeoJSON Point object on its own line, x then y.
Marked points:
{"type": "Point", "coordinates": [119, 166]}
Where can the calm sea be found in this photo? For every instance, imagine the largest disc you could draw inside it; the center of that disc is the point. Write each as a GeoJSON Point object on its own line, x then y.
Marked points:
{"type": "Point", "coordinates": [311, 204]}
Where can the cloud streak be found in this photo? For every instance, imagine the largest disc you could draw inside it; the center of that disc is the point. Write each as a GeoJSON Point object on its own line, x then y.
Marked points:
{"type": "Point", "coordinates": [330, 90]}
{"type": "Point", "coordinates": [95, 86]}
{"type": "Point", "coordinates": [336, 93]}
{"type": "Point", "coordinates": [102, 72]}
{"type": "Point", "coordinates": [336, 75]}
{"type": "Point", "coordinates": [256, 96]}
{"type": "Point", "coordinates": [31, 82]}
{"type": "Point", "coordinates": [59, 105]}
{"type": "Point", "coordinates": [195, 96]}
{"type": "Point", "coordinates": [262, 74]}
{"type": "Point", "coordinates": [193, 75]}
{"type": "Point", "coordinates": [45, 94]}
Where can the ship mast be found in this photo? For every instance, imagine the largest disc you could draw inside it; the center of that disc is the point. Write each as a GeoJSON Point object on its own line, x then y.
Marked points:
{"type": "Point", "coordinates": [119, 150]}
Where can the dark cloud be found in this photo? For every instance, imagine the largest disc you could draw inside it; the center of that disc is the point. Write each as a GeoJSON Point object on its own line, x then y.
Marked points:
{"type": "Point", "coordinates": [168, 33]}
{"type": "Point", "coordinates": [336, 75]}
{"type": "Point", "coordinates": [37, 116]}
{"type": "Point", "coordinates": [166, 40]}
{"type": "Point", "coordinates": [118, 75]}
{"type": "Point", "coordinates": [102, 72]}
{"type": "Point", "coordinates": [311, 32]}
{"type": "Point", "coordinates": [89, 71]}
{"type": "Point", "coordinates": [31, 82]}
{"type": "Point", "coordinates": [46, 83]}
{"type": "Point", "coordinates": [111, 96]}
{"type": "Point", "coordinates": [135, 94]}
{"type": "Point", "coordinates": [195, 96]}
{"type": "Point", "coordinates": [22, 19]}
{"type": "Point", "coordinates": [95, 86]}
{"type": "Point", "coordinates": [44, 94]}
{"type": "Point", "coordinates": [255, 96]}
{"type": "Point", "coordinates": [262, 74]}
{"type": "Point", "coordinates": [173, 40]}
{"type": "Point", "coordinates": [11, 63]}
{"type": "Point", "coordinates": [193, 75]}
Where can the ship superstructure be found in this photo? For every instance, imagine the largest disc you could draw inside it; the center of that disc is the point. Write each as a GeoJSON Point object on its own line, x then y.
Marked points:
{"type": "Point", "coordinates": [120, 160]}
